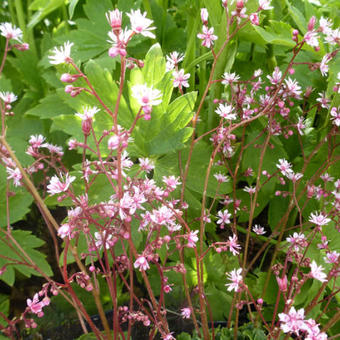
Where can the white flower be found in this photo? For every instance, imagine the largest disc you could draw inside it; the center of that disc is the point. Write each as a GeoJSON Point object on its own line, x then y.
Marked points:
{"type": "Point", "coordinates": [207, 36]}
{"type": "Point", "coordinates": [317, 272]}
{"type": "Point", "coordinates": [88, 113]}
{"type": "Point", "coordinates": [56, 186]}
{"type": "Point", "coordinates": [229, 78]}
{"type": "Point", "coordinates": [311, 38]}
{"type": "Point", "coordinates": [15, 175]}
{"type": "Point", "coordinates": [146, 97]}
{"type": "Point", "coordinates": [9, 31]}
{"type": "Point", "coordinates": [61, 54]}
{"type": "Point", "coordinates": [319, 219]}
{"type": "Point", "coordinates": [8, 97]}
{"type": "Point", "coordinates": [173, 60]}
{"type": "Point", "coordinates": [226, 111]}
{"type": "Point", "coordinates": [335, 113]}
{"type": "Point", "coordinates": [265, 5]}
{"type": "Point", "coordinates": [141, 263]}
{"type": "Point", "coordinates": [140, 24]}
{"type": "Point", "coordinates": [236, 278]}
{"type": "Point", "coordinates": [257, 229]}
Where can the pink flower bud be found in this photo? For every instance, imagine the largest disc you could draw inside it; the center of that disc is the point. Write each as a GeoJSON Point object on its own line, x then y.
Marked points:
{"type": "Point", "coordinates": [69, 88]}
{"type": "Point", "coordinates": [282, 283]}
{"type": "Point", "coordinates": [204, 15]}
{"type": "Point", "coordinates": [86, 126]}
{"type": "Point", "coordinates": [67, 78]}
{"type": "Point", "coordinates": [311, 23]}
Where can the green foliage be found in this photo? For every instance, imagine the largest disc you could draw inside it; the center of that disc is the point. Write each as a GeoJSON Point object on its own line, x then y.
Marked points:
{"type": "Point", "coordinates": [20, 259]}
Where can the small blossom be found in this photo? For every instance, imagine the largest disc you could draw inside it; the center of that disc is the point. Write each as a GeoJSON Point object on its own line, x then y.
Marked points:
{"type": "Point", "coordinates": [53, 148]}
{"type": "Point", "coordinates": [275, 78]}
{"type": "Point", "coordinates": [293, 322]}
{"type": "Point", "coordinates": [323, 100]}
{"type": "Point", "coordinates": [119, 43]}
{"type": "Point", "coordinates": [186, 313]}
{"type": "Point", "coordinates": [146, 164]}
{"type": "Point", "coordinates": [101, 239]}
{"type": "Point", "coordinates": [301, 125]}
{"type": "Point", "coordinates": [171, 182]}
{"type": "Point", "coordinates": [317, 272]}
{"type": "Point", "coordinates": [311, 38]}
{"type": "Point", "coordinates": [141, 263]}
{"type": "Point", "coordinates": [8, 97]}
{"type": "Point", "coordinates": [224, 217]}
{"type": "Point", "coordinates": [319, 219]}
{"type": "Point", "coordinates": [257, 229]}
{"type": "Point", "coordinates": [298, 240]}
{"type": "Point", "coordinates": [226, 111]}
{"type": "Point", "coordinates": [88, 113]}
{"type": "Point", "coordinates": [61, 55]}
{"type": "Point", "coordinates": [15, 175]}
{"type": "Point", "coordinates": [294, 177]}
{"type": "Point", "coordinates": [229, 78]}
{"type": "Point", "coordinates": [146, 97]}
{"type": "Point", "coordinates": [332, 257]}
{"type": "Point", "coordinates": [325, 25]}
{"type": "Point", "coordinates": [293, 88]}
{"type": "Point", "coordinates": [192, 239]}
{"type": "Point", "coordinates": [57, 186]}
{"type": "Point", "coordinates": [284, 166]}
{"type": "Point", "coordinates": [333, 36]}
{"type": "Point", "coordinates": [207, 36]}
{"type": "Point", "coordinates": [221, 178]}
{"type": "Point", "coordinates": [36, 141]}
{"type": "Point", "coordinates": [9, 31]}
{"type": "Point", "coordinates": [236, 278]}
{"type": "Point", "coordinates": [114, 18]}
{"type": "Point", "coordinates": [335, 113]}
{"type": "Point", "coordinates": [64, 230]}
{"type": "Point", "coordinates": [173, 60]}
{"type": "Point", "coordinates": [180, 79]}
{"type": "Point", "coordinates": [204, 15]}
{"type": "Point", "coordinates": [254, 19]}
{"type": "Point", "coordinates": [140, 24]}
{"type": "Point", "coordinates": [324, 64]}
{"type": "Point", "coordinates": [249, 190]}
{"type": "Point", "coordinates": [265, 5]}
{"type": "Point", "coordinates": [233, 245]}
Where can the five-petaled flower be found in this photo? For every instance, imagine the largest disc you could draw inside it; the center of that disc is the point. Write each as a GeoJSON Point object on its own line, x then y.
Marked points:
{"type": "Point", "coordinates": [207, 36]}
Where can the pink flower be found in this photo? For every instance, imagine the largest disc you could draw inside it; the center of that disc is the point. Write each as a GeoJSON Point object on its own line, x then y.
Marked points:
{"type": "Point", "coordinates": [186, 313]}
{"type": "Point", "coordinates": [257, 229]}
{"type": "Point", "coordinates": [254, 19]}
{"type": "Point", "coordinates": [276, 76]}
{"type": "Point", "coordinates": [236, 278]}
{"type": "Point", "coordinates": [319, 219]}
{"type": "Point", "coordinates": [323, 100]}
{"type": "Point", "coordinates": [324, 64]}
{"type": "Point", "coordinates": [311, 38]}
{"type": "Point", "coordinates": [35, 306]}
{"type": "Point", "coordinates": [207, 36]}
{"type": "Point", "coordinates": [282, 283]}
{"type": "Point", "coordinates": [192, 239]}
{"type": "Point", "coordinates": [9, 31]}
{"type": "Point", "coordinates": [171, 182]}
{"type": "Point", "coordinates": [204, 15]}
{"type": "Point", "coordinates": [101, 239]}
{"type": "Point", "coordinates": [284, 166]}
{"type": "Point", "coordinates": [301, 125]}
{"type": "Point", "coordinates": [264, 5]}
{"type": "Point", "coordinates": [140, 24]}
{"type": "Point", "coordinates": [56, 186]}
{"type": "Point", "coordinates": [180, 79]}
{"type": "Point", "coordinates": [332, 257]}
{"type": "Point", "coordinates": [36, 141]}
{"type": "Point", "coordinates": [221, 178]}
{"type": "Point", "coordinates": [146, 164]}
{"type": "Point", "coordinates": [335, 113]}
{"type": "Point", "coordinates": [317, 272]}
{"type": "Point", "coordinates": [119, 42]}
{"type": "Point", "coordinates": [226, 111]}
{"type": "Point", "coordinates": [8, 97]}
{"type": "Point", "coordinates": [141, 263]}
{"type": "Point", "coordinates": [64, 230]}
{"type": "Point", "coordinates": [233, 245]}
{"type": "Point", "coordinates": [293, 88]}
{"type": "Point", "coordinates": [229, 78]}
{"type": "Point", "coordinates": [115, 19]}
{"type": "Point", "coordinates": [53, 149]}
{"type": "Point", "coordinates": [298, 240]}
{"type": "Point", "coordinates": [88, 113]}
{"type": "Point", "coordinates": [173, 60]}
{"type": "Point", "coordinates": [15, 175]}
{"type": "Point", "coordinates": [249, 190]}
{"type": "Point", "coordinates": [146, 97]}
{"type": "Point", "coordinates": [61, 55]}
{"type": "Point", "coordinates": [224, 217]}
{"type": "Point", "coordinates": [293, 322]}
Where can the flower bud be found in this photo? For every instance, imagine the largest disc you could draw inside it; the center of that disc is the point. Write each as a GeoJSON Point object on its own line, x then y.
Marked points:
{"type": "Point", "coordinates": [311, 23]}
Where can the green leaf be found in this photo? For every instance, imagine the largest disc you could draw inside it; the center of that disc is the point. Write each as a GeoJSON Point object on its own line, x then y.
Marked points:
{"type": "Point", "coordinates": [298, 17]}
{"type": "Point", "coordinates": [43, 8]}
{"type": "Point", "coordinates": [154, 66]}
{"type": "Point", "coordinates": [72, 7]}
{"type": "Point", "coordinates": [28, 243]}
{"type": "Point", "coordinates": [50, 107]}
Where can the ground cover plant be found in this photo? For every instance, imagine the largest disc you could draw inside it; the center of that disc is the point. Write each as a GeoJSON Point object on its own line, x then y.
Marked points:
{"type": "Point", "coordinates": [170, 160]}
